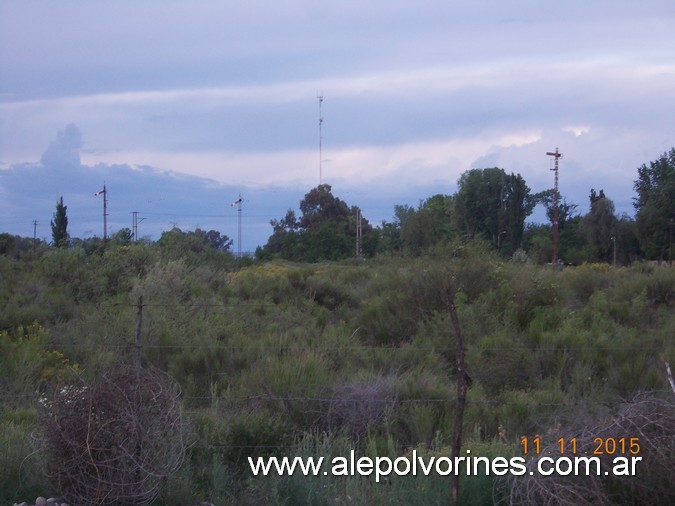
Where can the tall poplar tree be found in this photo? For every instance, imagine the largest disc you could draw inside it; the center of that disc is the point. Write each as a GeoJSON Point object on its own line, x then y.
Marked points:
{"type": "Point", "coordinates": [60, 225]}
{"type": "Point", "coordinates": [494, 205]}
{"type": "Point", "coordinates": [655, 206]}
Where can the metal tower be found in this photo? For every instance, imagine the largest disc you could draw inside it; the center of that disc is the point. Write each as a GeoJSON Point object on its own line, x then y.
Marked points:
{"type": "Point", "coordinates": [238, 203]}
{"type": "Point", "coordinates": [556, 199]}
{"type": "Point", "coordinates": [320, 97]}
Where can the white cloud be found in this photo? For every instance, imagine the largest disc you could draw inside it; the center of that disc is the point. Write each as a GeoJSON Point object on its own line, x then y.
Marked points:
{"type": "Point", "coordinates": [577, 130]}
{"type": "Point", "coordinates": [408, 163]}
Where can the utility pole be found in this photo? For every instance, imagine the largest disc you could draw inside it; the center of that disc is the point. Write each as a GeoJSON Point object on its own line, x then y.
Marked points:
{"type": "Point", "coordinates": [320, 97]}
{"type": "Point", "coordinates": [359, 232]}
{"type": "Point", "coordinates": [238, 203]}
{"type": "Point", "coordinates": [35, 224]}
{"type": "Point", "coordinates": [556, 199]}
{"type": "Point", "coordinates": [134, 224]}
{"type": "Point", "coordinates": [104, 192]}
{"type": "Point", "coordinates": [614, 244]}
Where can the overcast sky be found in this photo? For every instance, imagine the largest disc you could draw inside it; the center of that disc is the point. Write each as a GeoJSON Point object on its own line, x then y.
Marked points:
{"type": "Point", "coordinates": [191, 102]}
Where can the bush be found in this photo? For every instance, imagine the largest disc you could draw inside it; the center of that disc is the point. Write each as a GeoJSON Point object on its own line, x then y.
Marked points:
{"type": "Point", "coordinates": [20, 476]}
{"type": "Point", "coordinates": [649, 416]}
{"type": "Point", "coordinates": [359, 406]}
{"type": "Point", "coordinates": [113, 442]}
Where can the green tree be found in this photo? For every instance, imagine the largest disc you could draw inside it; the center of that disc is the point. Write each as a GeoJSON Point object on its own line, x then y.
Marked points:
{"type": "Point", "coordinates": [325, 231]}
{"type": "Point", "coordinates": [432, 223]}
{"type": "Point", "coordinates": [627, 242]}
{"type": "Point", "coordinates": [7, 243]}
{"type": "Point", "coordinates": [494, 205]}
{"type": "Point", "coordinates": [123, 236]}
{"type": "Point", "coordinates": [655, 206]}
{"type": "Point", "coordinates": [60, 225]}
{"type": "Point", "coordinates": [389, 237]}
{"type": "Point", "coordinates": [601, 226]}
{"type": "Point", "coordinates": [320, 207]}
{"type": "Point", "coordinates": [195, 246]}
{"type": "Point", "coordinates": [565, 210]}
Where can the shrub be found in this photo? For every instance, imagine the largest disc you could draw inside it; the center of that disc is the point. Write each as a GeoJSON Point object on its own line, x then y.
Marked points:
{"type": "Point", "coordinates": [650, 416]}
{"type": "Point", "coordinates": [20, 476]}
{"type": "Point", "coordinates": [116, 441]}
{"type": "Point", "coordinates": [359, 406]}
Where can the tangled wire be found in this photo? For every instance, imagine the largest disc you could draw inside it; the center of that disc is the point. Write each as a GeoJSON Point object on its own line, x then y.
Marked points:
{"type": "Point", "coordinates": [648, 418]}
{"type": "Point", "coordinates": [116, 441]}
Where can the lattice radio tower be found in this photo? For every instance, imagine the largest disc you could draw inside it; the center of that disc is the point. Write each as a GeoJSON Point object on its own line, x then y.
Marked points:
{"type": "Point", "coordinates": [320, 97]}
{"type": "Point", "coordinates": [556, 199]}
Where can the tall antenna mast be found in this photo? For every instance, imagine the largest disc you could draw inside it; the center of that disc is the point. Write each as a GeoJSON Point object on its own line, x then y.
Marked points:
{"type": "Point", "coordinates": [320, 97]}
{"type": "Point", "coordinates": [556, 198]}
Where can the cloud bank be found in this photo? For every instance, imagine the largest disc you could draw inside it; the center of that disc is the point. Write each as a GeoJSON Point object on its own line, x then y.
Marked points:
{"type": "Point", "coordinates": [414, 94]}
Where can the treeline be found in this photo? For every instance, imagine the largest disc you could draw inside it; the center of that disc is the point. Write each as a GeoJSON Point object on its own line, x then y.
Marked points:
{"type": "Point", "coordinates": [492, 205]}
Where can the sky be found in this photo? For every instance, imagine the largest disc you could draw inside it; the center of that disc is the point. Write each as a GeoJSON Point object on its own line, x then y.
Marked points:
{"type": "Point", "coordinates": [180, 106]}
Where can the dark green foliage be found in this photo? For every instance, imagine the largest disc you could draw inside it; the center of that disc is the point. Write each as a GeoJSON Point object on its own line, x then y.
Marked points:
{"type": "Point", "coordinates": [7, 242]}
{"type": "Point", "coordinates": [325, 231]}
{"type": "Point", "coordinates": [601, 226]}
{"type": "Point", "coordinates": [60, 225]}
{"type": "Point", "coordinates": [432, 223]}
{"type": "Point", "coordinates": [565, 210]}
{"type": "Point", "coordinates": [655, 206]}
{"type": "Point", "coordinates": [198, 246]}
{"type": "Point", "coordinates": [494, 205]}
{"type": "Point", "coordinates": [21, 468]}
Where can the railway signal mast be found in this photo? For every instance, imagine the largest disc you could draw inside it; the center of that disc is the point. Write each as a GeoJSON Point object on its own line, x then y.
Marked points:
{"type": "Point", "coordinates": [238, 203]}
{"type": "Point", "coordinates": [556, 198]}
{"type": "Point", "coordinates": [104, 192]}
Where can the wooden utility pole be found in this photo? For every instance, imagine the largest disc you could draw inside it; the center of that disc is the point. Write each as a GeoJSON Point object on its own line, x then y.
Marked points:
{"type": "Point", "coordinates": [134, 225]}
{"type": "Point", "coordinates": [104, 192]}
{"type": "Point", "coordinates": [359, 232]}
{"type": "Point", "coordinates": [461, 391]}
{"type": "Point", "coordinates": [556, 200]}
{"type": "Point", "coordinates": [35, 224]}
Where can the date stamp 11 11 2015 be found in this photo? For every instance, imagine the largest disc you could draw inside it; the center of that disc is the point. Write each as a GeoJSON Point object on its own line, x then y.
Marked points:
{"type": "Point", "coordinates": [600, 446]}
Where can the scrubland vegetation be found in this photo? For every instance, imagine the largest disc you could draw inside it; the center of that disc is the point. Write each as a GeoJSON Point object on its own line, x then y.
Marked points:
{"type": "Point", "coordinates": [279, 358]}
{"type": "Point", "coordinates": [304, 351]}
